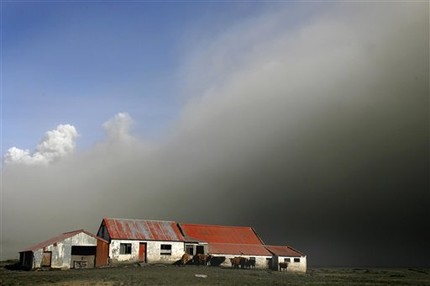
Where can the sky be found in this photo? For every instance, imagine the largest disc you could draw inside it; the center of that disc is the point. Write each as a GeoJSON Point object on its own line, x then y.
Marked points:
{"type": "Point", "coordinates": [307, 120]}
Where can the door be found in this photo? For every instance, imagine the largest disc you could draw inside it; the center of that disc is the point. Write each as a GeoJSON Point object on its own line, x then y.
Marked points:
{"type": "Point", "coordinates": [46, 259]}
{"type": "Point", "coordinates": [142, 252]}
{"type": "Point", "coordinates": [200, 249]}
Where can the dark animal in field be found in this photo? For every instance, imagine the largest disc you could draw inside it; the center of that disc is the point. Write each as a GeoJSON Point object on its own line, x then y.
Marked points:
{"type": "Point", "coordinates": [217, 260]}
{"type": "Point", "coordinates": [237, 262]}
{"type": "Point", "coordinates": [185, 259]}
{"type": "Point", "coordinates": [250, 263]}
{"type": "Point", "coordinates": [202, 259]}
{"type": "Point", "coordinates": [283, 265]}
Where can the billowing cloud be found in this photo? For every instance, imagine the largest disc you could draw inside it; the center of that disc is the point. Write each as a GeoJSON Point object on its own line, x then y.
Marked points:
{"type": "Point", "coordinates": [56, 144]}
{"type": "Point", "coordinates": [118, 127]}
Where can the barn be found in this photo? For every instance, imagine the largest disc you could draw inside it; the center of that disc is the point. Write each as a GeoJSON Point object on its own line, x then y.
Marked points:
{"type": "Point", "coordinates": [157, 241]}
{"type": "Point", "coordinates": [74, 249]}
{"type": "Point", "coordinates": [225, 242]}
{"type": "Point", "coordinates": [292, 258]}
{"type": "Point", "coordinates": [136, 240]}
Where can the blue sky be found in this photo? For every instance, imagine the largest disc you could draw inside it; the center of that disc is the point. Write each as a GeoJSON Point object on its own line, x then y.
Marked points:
{"type": "Point", "coordinates": [80, 63]}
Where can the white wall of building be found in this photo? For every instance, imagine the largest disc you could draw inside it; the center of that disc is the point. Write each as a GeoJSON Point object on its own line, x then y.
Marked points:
{"type": "Point", "coordinates": [61, 256]}
{"type": "Point", "coordinates": [295, 264]}
{"type": "Point", "coordinates": [153, 251]}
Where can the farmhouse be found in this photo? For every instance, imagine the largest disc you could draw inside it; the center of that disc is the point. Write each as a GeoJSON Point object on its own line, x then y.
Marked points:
{"type": "Point", "coordinates": [134, 240]}
{"type": "Point", "coordinates": [154, 241]}
{"type": "Point", "coordinates": [75, 249]}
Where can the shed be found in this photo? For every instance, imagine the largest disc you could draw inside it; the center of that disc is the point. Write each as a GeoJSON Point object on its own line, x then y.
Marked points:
{"type": "Point", "coordinates": [137, 240]}
{"type": "Point", "coordinates": [74, 249]}
{"type": "Point", "coordinates": [224, 242]}
{"type": "Point", "coordinates": [295, 260]}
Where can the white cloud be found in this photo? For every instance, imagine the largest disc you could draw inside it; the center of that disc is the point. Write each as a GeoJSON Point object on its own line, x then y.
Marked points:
{"type": "Point", "coordinates": [56, 144]}
{"type": "Point", "coordinates": [118, 128]}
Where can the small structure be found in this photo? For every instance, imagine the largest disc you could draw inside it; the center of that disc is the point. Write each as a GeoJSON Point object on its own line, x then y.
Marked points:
{"type": "Point", "coordinates": [75, 249]}
{"type": "Point", "coordinates": [136, 240]}
{"type": "Point", "coordinates": [225, 242]}
{"type": "Point", "coordinates": [287, 257]}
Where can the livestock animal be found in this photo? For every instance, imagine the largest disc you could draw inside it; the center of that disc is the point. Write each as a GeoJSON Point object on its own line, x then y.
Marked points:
{"type": "Point", "coordinates": [250, 263]}
{"type": "Point", "coordinates": [283, 265]}
{"type": "Point", "coordinates": [185, 258]}
{"type": "Point", "coordinates": [238, 261]}
{"type": "Point", "coordinates": [202, 259]}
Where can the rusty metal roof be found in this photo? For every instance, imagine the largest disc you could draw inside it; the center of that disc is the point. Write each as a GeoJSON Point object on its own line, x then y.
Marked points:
{"type": "Point", "coordinates": [284, 251]}
{"type": "Point", "coordinates": [238, 249]}
{"type": "Point", "coordinates": [59, 238]}
{"type": "Point", "coordinates": [221, 234]}
{"type": "Point", "coordinates": [139, 229]}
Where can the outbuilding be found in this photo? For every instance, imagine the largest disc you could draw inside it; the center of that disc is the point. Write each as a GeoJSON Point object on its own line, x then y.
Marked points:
{"type": "Point", "coordinates": [225, 242]}
{"type": "Point", "coordinates": [289, 258]}
{"type": "Point", "coordinates": [74, 249]}
{"type": "Point", "coordinates": [137, 240]}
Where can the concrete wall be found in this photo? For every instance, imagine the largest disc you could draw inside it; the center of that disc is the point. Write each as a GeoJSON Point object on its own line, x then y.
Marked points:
{"type": "Point", "coordinates": [61, 252]}
{"type": "Point", "coordinates": [153, 251]}
{"type": "Point", "coordinates": [293, 266]}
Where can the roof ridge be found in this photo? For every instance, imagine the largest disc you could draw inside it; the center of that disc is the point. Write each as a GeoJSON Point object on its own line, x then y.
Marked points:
{"type": "Point", "coordinates": [139, 219]}
{"type": "Point", "coordinates": [259, 244]}
{"type": "Point", "coordinates": [77, 230]}
{"type": "Point", "coordinates": [215, 225]}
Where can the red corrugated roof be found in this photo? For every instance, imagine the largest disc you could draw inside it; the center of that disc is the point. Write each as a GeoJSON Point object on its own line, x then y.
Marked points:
{"type": "Point", "coordinates": [238, 249]}
{"type": "Point", "coordinates": [143, 229]}
{"type": "Point", "coordinates": [221, 234]}
{"type": "Point", "coordinates": [284, 251]}
{"type": "Point", "coordinates": [59, 238]}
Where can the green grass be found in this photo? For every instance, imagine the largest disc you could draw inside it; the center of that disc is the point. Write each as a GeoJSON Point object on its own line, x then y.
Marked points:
{"type": "Point", "coordinates": [173, 275]}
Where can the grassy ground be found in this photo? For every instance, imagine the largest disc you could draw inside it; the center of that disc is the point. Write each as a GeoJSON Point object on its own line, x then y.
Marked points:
{"type": "Point", "coordinates": [173, 275]}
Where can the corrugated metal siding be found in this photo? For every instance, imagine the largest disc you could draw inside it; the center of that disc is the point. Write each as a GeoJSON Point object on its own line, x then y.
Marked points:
{"type": "Point", "coordinates": [238, 249]}
{"type": "Point", "coordinates": [221, 234]}
{"type": "Point", "coordinates": [284, 251]}
{"type": "Point", "coordinates": [143, 229]}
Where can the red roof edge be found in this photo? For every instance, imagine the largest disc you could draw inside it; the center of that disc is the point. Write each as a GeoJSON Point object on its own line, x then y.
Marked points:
{"type": "Point", "coordinates": [258, 236]}
{"type": "Point", "coordinates": [271, 249]}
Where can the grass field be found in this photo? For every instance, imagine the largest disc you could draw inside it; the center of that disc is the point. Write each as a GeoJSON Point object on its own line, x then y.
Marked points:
{"type": "Point", "coordinates": [191, 275]}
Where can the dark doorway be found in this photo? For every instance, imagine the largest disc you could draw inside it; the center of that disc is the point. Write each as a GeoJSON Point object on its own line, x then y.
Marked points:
{"type": "Point", "coordinates": [189, 249]}
{"type": "Point", "coordinates": [84, 250]}
{"type": "Point", "coordinates": [83, 256]}
{"type": "Point", "coordinates": [200, 249]}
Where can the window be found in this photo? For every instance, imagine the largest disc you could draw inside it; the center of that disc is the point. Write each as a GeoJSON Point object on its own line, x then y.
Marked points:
{"type": "Point", "coordinates": [252, 258]}
{"type": "Point", "coordinates": [287, 260]}
{"type": "Point", "coordinates": [166, 249]}
{"type": "Point", "coordinates": [125, 248]}
{"type": "Point", "coordinates": [296, 259]}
